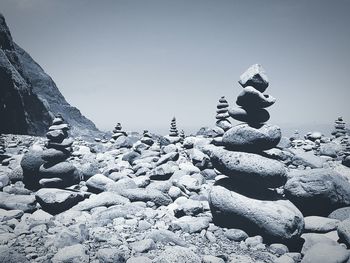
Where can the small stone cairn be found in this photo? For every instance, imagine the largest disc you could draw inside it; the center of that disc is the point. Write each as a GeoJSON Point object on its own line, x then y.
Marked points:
{"type": "Point", "coordinates": [222, 114]}
{"type": "Point", "coordinates": [2, 144]}
{"type": "Point", "coordinates": [118, 131]}
{"type": "Point", "coordinates": [339, 128]}
{"type": "Point", "coordinates": [57, 172]}
{"type": "Point", "coordinates": [147, 138]}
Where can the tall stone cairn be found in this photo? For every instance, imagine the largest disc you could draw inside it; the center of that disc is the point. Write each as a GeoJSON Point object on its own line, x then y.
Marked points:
{"type": "Point", "coordinates": [339, 128]}
{"type": "Point", "coordinates": [222, 114]}
{"type": "Point", "coordinates": [57, 172]}
{"type": "Point", "coordinates": [182, 136]}
{"type": "Point", "coordinates": [173, 129]}
{"type": "Point", "coordinates": [245, 199]}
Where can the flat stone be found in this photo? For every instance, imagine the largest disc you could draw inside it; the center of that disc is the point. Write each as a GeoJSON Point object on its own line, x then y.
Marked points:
{"type": "Point", "coordinates": [60, 170]}
{"type": "Point", "coordinates": [319, 224]}
{"type": "Point", "coordinates": [326, 254]}
{"type": "Point", "coordinates": [249, 115]}
{"type": "Point", "coordinates": [244, 137]}
{"type": "Point", "coordinates": [251, 98]}
{"type": "Point", "coordinates": [178, 254]}
{"type": "Point", "coordinates": [26, 203]}
{"type": "Point", "coordinates": [54, 156]}
{"type": "Point", "coordinates": [248, 166]}
{"type": "Point", "coordinates": [71, 254]}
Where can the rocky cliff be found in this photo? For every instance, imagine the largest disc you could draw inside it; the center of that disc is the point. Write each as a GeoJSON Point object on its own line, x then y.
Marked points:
{"type": "Point", "coordinates": [29, 98]}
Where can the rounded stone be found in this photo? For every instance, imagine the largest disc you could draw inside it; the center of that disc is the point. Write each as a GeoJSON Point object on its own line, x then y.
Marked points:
{"type": "Point", "coordinates": [256, 210]}
{"type": "Point", "coordinates": [254, 99]}
{"type": "Point", "coordinates": [249, 115]}
{"type": "Point", "coordinates": [59, 170]}
{"type": "Point", "coordinates": [247, 138]}
{"type": "Point", "coordinates": [249, 167]}
{"type": "Point", "coordinates": [54, 156]}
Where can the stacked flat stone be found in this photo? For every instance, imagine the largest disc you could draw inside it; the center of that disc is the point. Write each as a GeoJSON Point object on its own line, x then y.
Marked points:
{"type": "Point", "coordinates": [57, 172]}
{"type": "Point", "coordinates": [253, 135]}
{"type": "Point", "coordinates": [147, 138]}
{"type": "Point", "coordinates": [222, 114]}
{"type": "Point", "coordinates": [244, 199]}
{"type": "Point", "coordinates": [182, 136]}
{"type": "Point", "coordinates": [345, 142]}
{"type": "Point", "coordinates": [2, 144]}
{"type": "Point", "coordinates": [118, 131]}
{"type": "Point", "coordinates": [339, 128]}
{"type": "Point", "coordinates": [173, 129]}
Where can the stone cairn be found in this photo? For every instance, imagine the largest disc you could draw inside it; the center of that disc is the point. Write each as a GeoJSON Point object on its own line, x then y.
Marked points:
{"type": "Point", "coordinates": [245, 198]}
{"type": "Point", "coordinates": [339, 128]}
{"type": "Point", "coordinates": [222, 114]}
{"type": "Point", "coordinates": [173, 129]}
{"type": "Point", "coordinates": [182, 136]}
{"type": "Point", "coordinates": [147, 138]}
{"type": "Point", "coordinates": [57, 172]}
{"type": "Point", "coordinates": [345, 154]}
{"type": "Point", "coordinates": [2, 144]}
{"type": "Point", "coordinates": [117, 132]}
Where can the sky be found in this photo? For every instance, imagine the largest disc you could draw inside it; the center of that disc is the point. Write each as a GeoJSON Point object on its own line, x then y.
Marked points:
{"type": "Point", "coordinates": [141, 62]}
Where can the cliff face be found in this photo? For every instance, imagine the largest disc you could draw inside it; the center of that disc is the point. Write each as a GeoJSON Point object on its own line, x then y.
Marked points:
{"type": "Point", "coordinates": [29, 98]}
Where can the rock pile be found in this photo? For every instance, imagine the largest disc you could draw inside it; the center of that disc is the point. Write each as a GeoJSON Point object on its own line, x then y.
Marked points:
{"type": "Point", "coordinates": [244, 198]}
{"type": "Point", "coordinates": [345, 142]}
{"type": "Point", "coordinates": [182, 136]}
{"type": "Point", "coordinates": [222, 114]}
{"type": "Point", "coordinates": [339, 128]}
{"type": "Point", "coordinates": [117, 132]}
{"type": "Point", "coordinates": [56, 171]}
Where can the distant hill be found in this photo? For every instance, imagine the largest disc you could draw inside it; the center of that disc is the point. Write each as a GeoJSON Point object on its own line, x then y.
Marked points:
{"type": "Point", "coordinates": [29, 98]}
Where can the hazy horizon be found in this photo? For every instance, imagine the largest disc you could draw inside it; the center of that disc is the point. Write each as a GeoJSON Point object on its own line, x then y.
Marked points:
{"type": "Point", "coordinates": [142, 62]}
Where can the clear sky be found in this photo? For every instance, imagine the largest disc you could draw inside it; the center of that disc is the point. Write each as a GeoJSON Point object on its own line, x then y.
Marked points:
{"type": "Point", "coordinates": [142, 62]}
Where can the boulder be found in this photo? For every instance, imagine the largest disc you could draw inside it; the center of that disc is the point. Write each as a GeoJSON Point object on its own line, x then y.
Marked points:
{"type": "Point", "coordinates": [249, 167]}
{"type": "Point", "coordinates": [30, 164]}
{"type": "Point", "coordinates": [244, 137]}
{"type": "Point", "coordinates": [255, 210]}
{"type": "Point", "coordinates": [340, 213]}
{"type": "Point", "coordinates": [317, 191]}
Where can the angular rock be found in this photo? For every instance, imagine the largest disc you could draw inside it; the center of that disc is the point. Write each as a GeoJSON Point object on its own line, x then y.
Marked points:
{"type": "Point", "coordinates": [178, 254]}
{"type": "Point", "coordinates": [255, 76]}
{"type": "Point", "coordinates": [145, 195]}
{"type": "Point", "coordinates": [71, 254]}
{"type": "Point", "coordinates": [110, 255]}
{"type": "Point", "coordinates": [55, 201]}
{"type": "Point", "coordinates": [236, 205]}
{"type": "Point", "coordinates": [246, 138]}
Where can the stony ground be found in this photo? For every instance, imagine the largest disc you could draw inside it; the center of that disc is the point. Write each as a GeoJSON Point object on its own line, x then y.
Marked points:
{"type": "Point", "coordinates": [172, 222]}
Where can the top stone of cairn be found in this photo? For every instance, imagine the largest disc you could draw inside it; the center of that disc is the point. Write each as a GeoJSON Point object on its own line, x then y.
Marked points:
{"type": "Point", "coordinates": [254, 76]}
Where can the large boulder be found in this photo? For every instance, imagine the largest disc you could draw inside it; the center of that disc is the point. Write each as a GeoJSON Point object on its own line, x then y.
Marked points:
{"type": "Point", "coordinates": [317, 191]}
{"type": "Point", "coordinates": [257, 211]}
{"type": "Point", "coordinates": [249, 166]}
{"type": "Point", "coordinates": [244, 137]}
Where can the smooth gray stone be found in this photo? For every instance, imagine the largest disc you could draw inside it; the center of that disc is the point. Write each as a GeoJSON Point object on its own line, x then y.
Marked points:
{"type": "Point", "coordinates": [254, 99]}
{"type": "Point", "coordinates": [244, 137]}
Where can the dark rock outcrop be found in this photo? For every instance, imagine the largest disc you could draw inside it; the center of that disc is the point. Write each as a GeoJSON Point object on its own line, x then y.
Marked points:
{"type": "Point", "coordinates": [29, 98]}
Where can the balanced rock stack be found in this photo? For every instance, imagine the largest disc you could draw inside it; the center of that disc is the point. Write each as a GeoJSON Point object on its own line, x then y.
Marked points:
{"type": "Point", "coordinates": [244, 199]}
{"type": "Point", "coordinates": [339, 128]}
{"type": "Point", "coordinates": [2, 144]}
{"type": "Point", "coordinates": [222, 114]}
{"type": "Point", "coordinates": [173, 128]}
{"type": "Point", "coordinates": [117, 132]}
{"type": "Point", "coordinates": [147, 138]}
{"type": "Point", "coordinates": [173, 136]}
{"type": "Point", "coordinates": [345, 142]}
{"type": "Point", "coordinates": [182, 136]}
{"type": "Point", "coordinates": [56, 171]}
